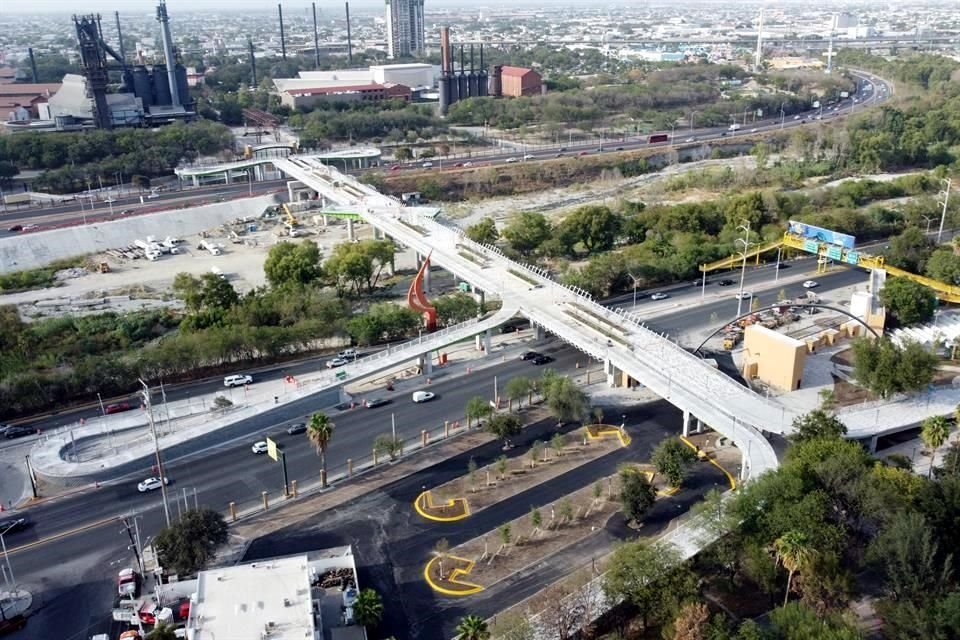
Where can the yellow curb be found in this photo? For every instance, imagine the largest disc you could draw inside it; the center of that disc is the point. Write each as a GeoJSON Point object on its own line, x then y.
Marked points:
{"type": "Point", "coordinates": [58, 536]}
{"type": "Point", "coordinates": [649, 475]}
{"type": "Point", "coordinates": [428, 496]}
{"type": "Point", "coordinates": [454, 575]}
{"type": "Point", "coordinates": [604, 430]}
{"type": "Point", "coordinates": [730, 478]}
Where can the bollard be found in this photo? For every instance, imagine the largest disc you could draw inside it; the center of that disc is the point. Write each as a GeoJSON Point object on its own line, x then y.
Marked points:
{"type": "Point", "coordinates": [293, 488]}
{"type": "Point", "coordinates": [446, 428]}
{"type": "Point", "coordinates": [469, 370]}
{"type": "Point", "coordinates": [266, 503]}
{"type": "Point", "coordinates": [578, 364]}
{"type": "Point", "coordinates": [588, 377]}
{"type": "Point", "coordinates": [233, 511]}
{"type": "Point", "coordinates": [375, 460]}
{"type": "Point", "coordinates": [286, 492]}
{"type": "Point", "coordinates": [423, 438]}
{"type": "Point", "coordinates": [349, 467]}
{"type": "Point", "coordinates": [429, 381]}
{"type": "Point", "coordinates": [323, 478]}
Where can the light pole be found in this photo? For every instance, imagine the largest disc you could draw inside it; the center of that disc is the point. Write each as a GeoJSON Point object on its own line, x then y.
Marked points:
{"type": "Point", "coordinates": [693, 115]}
{"type": "Point", "coordinates": [743, 268]}
{"type": "Point", "coordinates": [929, 220]}
{"type": "Point", "coordinates": [156, 448]}
{"type": "Point", "coordinates": [6, 557]}
{"type": "Point", "coordinates": [947, 182]}
{"type": "Point", "coordinates": [782, 114]}
{"type": "Point", "coordinates": [776, 275]}
{"type": "Point", "coordinates": [634, 278]}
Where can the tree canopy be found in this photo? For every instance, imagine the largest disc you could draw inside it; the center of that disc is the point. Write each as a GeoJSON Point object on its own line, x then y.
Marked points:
{"type": "Point", "coordinates": [186, 546]}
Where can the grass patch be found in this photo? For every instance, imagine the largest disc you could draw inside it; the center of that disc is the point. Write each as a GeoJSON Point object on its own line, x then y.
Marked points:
{"type": "Point", "coordinates": [599, 329]}
{"type": "Point", "coordinates": [415, 227]}
{"type": "Point", "coordinates": [598, 317]}
{"type": "Point", "coordinates": [37, 278]}
{"type": "Point", "coordinates": [523, 276]}
{"type": "Point", "coordinates": [472, 258]}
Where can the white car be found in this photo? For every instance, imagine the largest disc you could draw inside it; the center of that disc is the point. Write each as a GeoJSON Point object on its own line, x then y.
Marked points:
{"type": "Point", "coordinates": [660, 296]}
{"type": "Point", "coordinates": [810, 284]}
{"type": "Point", "coordinates": [427, 165]}
{"type": "Point", "coordinates": [753, 130]}
{"type": "Point", "coordinates": [510, 160]}
{"type": "Point", "coordinates": [528, 157]}
{"type": "Point", "coordinates": [237, 380]}
{"type": "Point", "coordinates": [350, 354]}
{"type": "Point", "coordinates": [336, 362]}
{"type": "Point", "coordinates": [742, 295]}
{"type": "Point", "coordinates": [151, 484]}
{"type": "Point", "coordinates": [423, 396]}
{"type": "Point", "coordinates": [690, 140]}
{"type": "Point", "coordinates": [259, 447]}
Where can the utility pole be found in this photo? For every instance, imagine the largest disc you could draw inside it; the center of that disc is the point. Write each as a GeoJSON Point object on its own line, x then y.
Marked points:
{"type": "Point", "coordinates": [947, 182]}
{"type": "Point", "coordinates": [156, 448]}
{"type": "Point", "coordinates": [743, 269]}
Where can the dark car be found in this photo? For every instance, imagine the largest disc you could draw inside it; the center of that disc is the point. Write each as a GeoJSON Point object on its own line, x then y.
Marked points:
{"type": "Point", "coordinates": [14, 524]}
{"type": "Point", "coordinates": [18, 432]}
{"type": "Point", "coordinates": [297, 427]}
{"type": "Point", "coordinates": [530, 355]}
{"type": "Point", "coordinates": [724, 283]}
{"type": "Point", "coordinates": [539, 360]}
{"type": "Point", "coordinates": [619, 149]}
{"type": "Point", "coordinates": [376, 402]}
{"type": "Point", "coordinates": [117, 407]}
{"type": "Point", "coordinates": [15, 228]}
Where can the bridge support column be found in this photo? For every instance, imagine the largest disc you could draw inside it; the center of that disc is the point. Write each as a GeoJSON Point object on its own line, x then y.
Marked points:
{"type": "Point", "coordinates": [425, 362]}
{"type": "Point", "coordinates": [350, 235]}
{"type": "Point", "coordinates": [699, 426]}
{"type": "Point", "coordinates": [377, 234]}
{"type": "Point", "coordinates": [480, 297]}
{"type": "Point", "coordinates": [538, 333]}
{"type": "Point", "coordinates": [228, 176]}
{"type": "Point", "coordinates": [487, 341]}
{"type": "Point", "coordinates": [686, 423]}
{"type": "Point", "coordinates": [196, 181]}
{"type": "Point", "coordinates": [258, 172]}
{"type": "Point", "coordinates": [614, 375]}
{"type": "Point", "coordinates": [873, 445]}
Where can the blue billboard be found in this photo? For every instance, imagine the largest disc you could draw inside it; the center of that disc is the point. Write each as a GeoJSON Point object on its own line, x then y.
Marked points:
{"type": "Point", "coordinates": [820, 234]}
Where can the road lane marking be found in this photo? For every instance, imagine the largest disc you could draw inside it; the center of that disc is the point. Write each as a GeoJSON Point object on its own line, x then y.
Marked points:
{"type": "Point", "coordinates": [64, 534]}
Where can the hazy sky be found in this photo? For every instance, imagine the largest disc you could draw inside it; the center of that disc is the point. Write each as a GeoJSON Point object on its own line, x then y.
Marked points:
{"type": "Point", "coordinates": [141, 6]}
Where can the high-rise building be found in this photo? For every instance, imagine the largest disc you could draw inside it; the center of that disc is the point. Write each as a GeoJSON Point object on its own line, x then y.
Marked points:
{"type": "Point", "coordinates": [404, 28]}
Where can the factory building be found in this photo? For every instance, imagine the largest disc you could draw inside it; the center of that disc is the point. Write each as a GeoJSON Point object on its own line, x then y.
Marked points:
{"type": "Point", "coordinates": [404, 28]}
{"type": "Point", "coordinates": [378, 82]}
{"type": "Point", "coordinates": [515, 82]}
{"type": "Point", "coordinates": [310, 97]}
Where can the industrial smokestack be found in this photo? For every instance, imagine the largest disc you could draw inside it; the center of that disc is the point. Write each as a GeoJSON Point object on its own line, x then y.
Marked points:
{"type": "Point", "coordinates": [33, 65]}
{"type": "Point", "coordinates": [349, 39]}
{"type": "Point", "coordinates": [464, 89]}
{"type": "Point", "coordinates": [164, 21]}
{"type": "Point", "coordinates": [316, 38]}
{"type": "Point", "coordinates": [482, 76]}
{"type": "Point", "coordinates": [123, 54]}
{"type": "Point", "coordinates": [444, 88]}
{"type": "Point", "coordinates": [759, 55]}
{"type": "Point", "coordinates": [283, 40]}
{"type": "Point", "coordinates": [253, 63]}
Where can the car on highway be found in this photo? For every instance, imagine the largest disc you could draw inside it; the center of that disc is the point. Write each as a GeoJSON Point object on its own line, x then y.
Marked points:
{"type": "Point", "coordinates": [811, 284]}
{"type": "Point", "coordinates": [619, 149]}
{"type": "Point", "coordinates": [742, 295]}
{"type": "Point", "coordinates": [467, 164]}
{"type": "Point", "coordinates": [423, 396]}
{"type": "Point", "coordinates": [18, 431]}
{"type": "Point", "coordinates": [349, 354]}
{"type": "Point", "coordinates": [377, 402]}
{"type": "Point", "coordinates": [15, 228]}
{"type": "Point", "coordinates": [237, 380]}
{"type": "Point", "coordinates": [753, 130]}
{"type": "Point", "coordinates": [395, 168]}
{"type": "Point", "coordinates": [297, 427]}
{"type": "Point", "coordinates": [511, 160]}
{"type": "Point", "coordinates": [117, 407]}
{"type": "Point", "coordinates": [690, 140]}
{"type": "Point", "coordinates": [660, 296]}
{"type": "Point", "coordinates": [528, 156]}
{"type": "Point", "coordinates": [559, 154]}
{"type": "Point", "coordinates": [584, 153]}
{"type": "Point", "coordinates": [150, 484]}
{"type": "Point", "coordinates": [427, 165]}
{"type": "Point", "coordinates": [337, 362]}
{"type": "Point", "coordinates": [541, 359]}
{"type": "Point", "coordinates": [726, 282]}
{"type": "Point", "coordinates": [530, 355]}
{"type": "Point", "coordinates": [796, 117]}
{"type": "Point", "coordinates": [259, 447]}
{"type": "Point", "coordinates": [14, 524]}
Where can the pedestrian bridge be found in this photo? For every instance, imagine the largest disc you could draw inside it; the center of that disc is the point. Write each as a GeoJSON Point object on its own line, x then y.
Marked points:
{"type": "Point", "coordinates": [617, 338]}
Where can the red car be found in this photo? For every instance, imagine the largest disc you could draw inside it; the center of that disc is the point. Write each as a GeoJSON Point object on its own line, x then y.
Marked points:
{"type": "Point", "coordinates": [395, 167]}
{"type": "Point", "coordinates": [583, 153]}
{"type": "Point", "coordinates": [117, 407]}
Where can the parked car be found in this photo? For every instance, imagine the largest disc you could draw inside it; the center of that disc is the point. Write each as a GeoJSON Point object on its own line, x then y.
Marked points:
{"type": "Point", "coordinates": [427, 165]}
{"type": "Point", "coordinates": [811, 284]}
{"type": "Point", "coordinates": [539, 360]}
{"type": "Point", "coordinates": [150, 484]}
{"type": "Point", "coordinates": [127, 582]}
{"type": "Point", "coordinates": [336, 362]}
{"type": "Point", "coordinates": [15, 523]}
{"type": "Point", "coordinates": [297, 427]}
{"type": "Point", "coordinates": [259, 447]}
{"type": "Point", "coordinates": [237, 380]}
{"type": "Point", "coordinates": [660, 295]}
{"type": "Point", "coordinates": [117, 407]}
{"type": "Point", "coordinates": [18, 431]}
{"type": "Point", "coordinates": [376, 402]}
{"type": "Point", "coordinates": [726, 282]}
{"type": "Point", "coordinates": [530, 355]}
{"type": "Point", "coordinates": [423, 396]}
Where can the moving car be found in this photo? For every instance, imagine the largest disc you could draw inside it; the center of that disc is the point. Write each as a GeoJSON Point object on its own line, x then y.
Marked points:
{"type": "Point", "coordinates": [237, 380]}
{"type": "Point", "coordinates": [18, 431]}
{"type": "Point", "coordinates": [127, 582]}
{"type": "Point", "coordinates": [811, 284]}
{"type": "Point", "coordinates": [15, 228]}
{"type": "Point", "coordinates": [583, 153]}
{"type": "Point", "coordinates": [539, 360]}
{"type": "Point", "coordinates": [14, 524]}
{"type": "Point", "coordinates": [117, 407]}
{"type": "Point", "coordinates": [527, 156]}
{"type": "Point", "coordinates": [350, 354]}
{"type": "Point", "coordinates": [530, 355]}
{"type": "Point", "coordinates": [511, 160]}
{"type": "Point", "coordinates": [297, 427]}
{"type": "Point", "coordinates": [336, 362]}
{"type": "Point", "coordinates": [427, 165]}
{"type": "Point", "coordinates": [151, 484]}
{"type": "Point", "coordinates": [376, 402]}
{"type": "Point", "coordinates": [660, 296]}
{"type": "Point", "coordinates": [423, 396]}
{"type": "Point", "coordinates": [726, 282]}
{"type": "Point", "coordinates": [742, 295]}
{"type": "Point", "coordinates": [259, 447]}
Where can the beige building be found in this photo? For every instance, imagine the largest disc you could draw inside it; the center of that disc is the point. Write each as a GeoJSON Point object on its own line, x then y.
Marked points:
{"type": "Point", "coordinates": [773, 358]}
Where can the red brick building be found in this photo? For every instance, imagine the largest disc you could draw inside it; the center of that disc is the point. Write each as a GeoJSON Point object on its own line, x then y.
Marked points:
{"type": "Point", "coordinates": [516, 82]}
{"type": "Point", "coordinates": [373, 92]}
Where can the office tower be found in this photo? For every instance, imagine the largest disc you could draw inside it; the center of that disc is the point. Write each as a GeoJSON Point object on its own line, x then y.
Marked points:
{"type": "Point", "coordinates": [404, 28]}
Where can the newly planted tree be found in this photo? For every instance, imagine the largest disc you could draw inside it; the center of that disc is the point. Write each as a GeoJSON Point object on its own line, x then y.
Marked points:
{"type": "Point", "coordinates": [517, 389]}
{"type": "Point", "coordinates": [477, 408]}
{"type": "Point", "coordinates": [472, 627]}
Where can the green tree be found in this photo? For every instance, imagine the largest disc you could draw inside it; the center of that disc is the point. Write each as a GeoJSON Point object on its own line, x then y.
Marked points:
{"type": "Point", "coordinates": [292, 263]}
{"type": "Point", "coordinates": [557, 443]}
{"type": "Point", "coordinates": [163, 631]}
{"type": "Point", "coordinates": [637, 495]}
{"type": "Point", "coordinates": [817, 424]}
{"type": "Point", "coordinates": [186, 547]}
{"type": "Point", "coordinates": [526, 231]}
{"type": "Point", "coordinates": [319, 433]}
{"type": "Point", "coordinates": [909, 250]}
{"type": "Point", "coordinates": [484, 232]}
{"type": "Point", "coordinates": [650, 577]}
{"type": "Point", "coordinates": [472, 627]}
{"type": "Point", "coordinates": [403, 154]}
{"type": "Point", "coordinates": [797, 622]}
{"type": "Point", "coordinates": [536, 518]}
{"type": "Point", "coordinates": [910, 302]}
{"type": "Point", "coordinates": [934, 431]}
{"type": "Point", "coordinates": [944, 265]}
{"type": "Point", "coordinates": [566, 401]}
{"type": "Point", "coordinates": [885, 368]}
{"type": "Point", "coordinates": [455, 308]}
{"type": "Point", "coordinates": [594, 226]}
{"type": "Point", "coordinates": [517, 388]}
{"type": "Point", "coordinates": [387, 444]}
{"type": "Point", "coordinates": [672, 458]}
{"type": "Point", "coordinates": [502, 464]}
{"type": "Point", "coordinates": [368, 608]}
{"type": "Point", "coordinates": [505, 534]}
{"type": "Point", "coordinates": [383, 321]}
{"type": "Point", "coordinates": [7, 171]}
{"type": "Point", "coordinates": [504, 426]}
{"type": "Point", "coordinates": [795, 553]}
{"type": "Point", "coordinates": [477, 409]}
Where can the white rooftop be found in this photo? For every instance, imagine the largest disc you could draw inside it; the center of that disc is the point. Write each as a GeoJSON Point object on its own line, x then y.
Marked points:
{"type": "Point", "coordinates": [243, 602]}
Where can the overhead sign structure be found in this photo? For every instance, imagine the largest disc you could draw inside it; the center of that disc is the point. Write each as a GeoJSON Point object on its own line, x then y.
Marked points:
{"type": "Point", "coordinates": [273, 450]}
{"type": "Point", "coordinates": [813, 232]}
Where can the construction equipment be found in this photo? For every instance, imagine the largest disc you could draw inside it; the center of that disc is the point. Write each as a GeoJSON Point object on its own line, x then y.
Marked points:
{"type": "Point", "coordinates": [291, 219]}
{"type": "Point", "coordinates": [103, 267]}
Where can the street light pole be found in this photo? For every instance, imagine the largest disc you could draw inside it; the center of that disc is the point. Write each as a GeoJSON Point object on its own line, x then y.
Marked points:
{"type": "Point", "coordinates": [634, 278]}
{"type": "Point", "coordinates": [776, 275]}
{"type": "Point", "coordinates": [929, 220]}
{"type": "Point", "coordinates": [946, 199]}
{"type": "Point", "coordinates": [6, 557]}
{"type": "Point", "coordinates": [156, 448]}
{"type": "Point", "coordinates": [743, 268]}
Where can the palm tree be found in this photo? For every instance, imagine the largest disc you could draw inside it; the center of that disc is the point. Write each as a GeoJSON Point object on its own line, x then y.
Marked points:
{"type": "Point", "coordinates": [472, 627]}
{"type": "Point", "coordinates": [368, 608]}
{"type": "Point", "coordinates": [163, 631]}
{"type": "Point", "coordinates": [794, 553]}
{"type": "Point", "coordinates": [319, 432]}
{"type": "Point", "coordinates": [934, 431]}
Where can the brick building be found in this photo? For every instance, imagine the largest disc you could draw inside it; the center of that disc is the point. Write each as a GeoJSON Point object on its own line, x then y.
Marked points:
{"type": "Point", "coordinates": [515, 82]}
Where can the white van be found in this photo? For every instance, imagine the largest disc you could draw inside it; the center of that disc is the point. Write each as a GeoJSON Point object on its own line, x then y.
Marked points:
{"type": "Point", "coordinates": [237, 380]}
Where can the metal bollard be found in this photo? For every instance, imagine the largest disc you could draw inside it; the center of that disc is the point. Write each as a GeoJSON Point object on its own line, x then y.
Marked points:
{"type": "Point", "coordinates": [349, 467]}
{"type": "Point", "coordinates": [233, 511]}
{"type": "Point", "coordinates": [293, 488]}
{"type": "Point", "coordinates": [266, 503]}
{"type": "Point", "coordinates": [423, 438]}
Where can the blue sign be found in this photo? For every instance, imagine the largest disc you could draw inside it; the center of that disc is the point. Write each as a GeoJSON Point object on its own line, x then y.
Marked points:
{"type": "Point", "coordinates": [820, 234]}
{"type": "Point", "coordinates": [852, 257]}
{"type": "Point", "coordinates": [811, 246]}
{"type": "Point", "coordinates": [834, 253]}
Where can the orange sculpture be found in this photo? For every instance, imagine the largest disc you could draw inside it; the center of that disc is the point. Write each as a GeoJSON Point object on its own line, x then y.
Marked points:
{"type": "Point", "coordinates": [417, 298]}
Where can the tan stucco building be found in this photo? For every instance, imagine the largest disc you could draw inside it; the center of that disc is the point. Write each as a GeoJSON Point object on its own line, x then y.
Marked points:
{"type": "Point", "coordinates": [773, 358]}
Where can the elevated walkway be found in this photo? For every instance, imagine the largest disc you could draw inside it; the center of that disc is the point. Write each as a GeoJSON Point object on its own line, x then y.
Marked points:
{"type": "Point", "coordinates": [736, 259]}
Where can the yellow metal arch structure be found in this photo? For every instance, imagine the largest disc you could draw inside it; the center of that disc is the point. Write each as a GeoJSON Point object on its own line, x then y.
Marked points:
{"type": "Point", "coordinates": [736, 259]}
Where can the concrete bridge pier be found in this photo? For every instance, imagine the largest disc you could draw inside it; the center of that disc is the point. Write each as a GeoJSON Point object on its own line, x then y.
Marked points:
{"type": "Point", "coordinates": [425, 364]}
{"type": "Point", "coordinates": [614, 375]}
{"type": "Point", "coordinates": [484, 341]}
{"type": "Point", "coordinates": [480, 297]}
{"type": "Point", "coordinates": [539, 333]}
{"type": "Point", "coordinates": [196, 180]}
{"type": "Point", "coordinates": [350, 234]}
{"type": "Point", "coordinates": [377, 234]}
{"type": "Point", "coordinates": [258, 172]}
{"type": "Point", "coordinates": [229, 176]}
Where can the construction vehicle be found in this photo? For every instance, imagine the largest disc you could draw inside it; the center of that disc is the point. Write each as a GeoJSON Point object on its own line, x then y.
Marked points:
{"type": "Point", "coordinates": [212, 247]}
{"type": "Point", "coordinates": [103, 267]}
